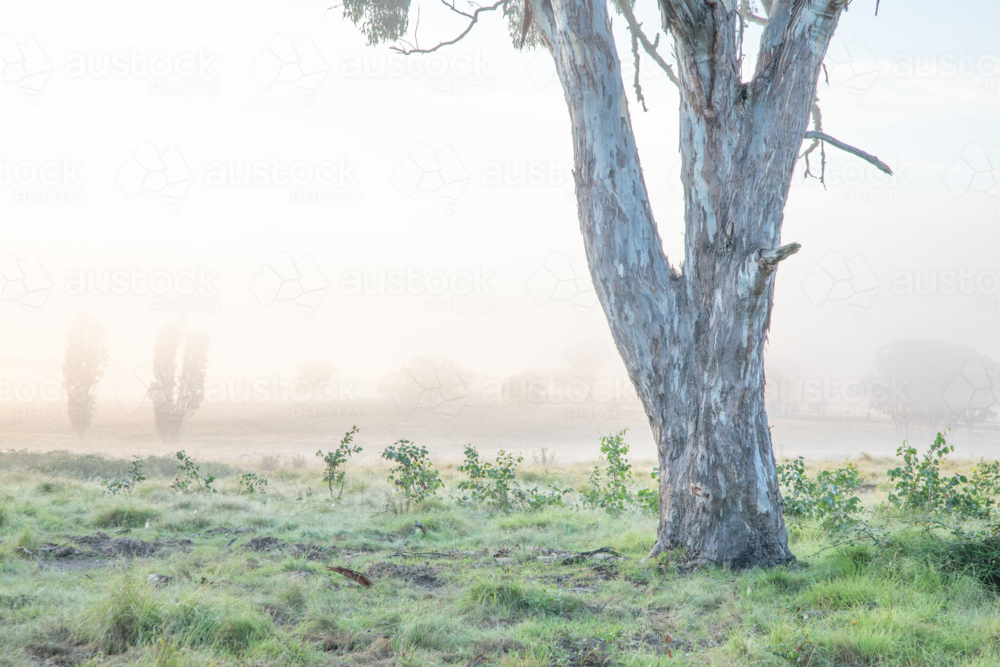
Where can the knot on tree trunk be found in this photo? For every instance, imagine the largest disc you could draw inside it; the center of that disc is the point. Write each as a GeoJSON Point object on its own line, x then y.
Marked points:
{"type": "Point", "coordinates": [759, 266]}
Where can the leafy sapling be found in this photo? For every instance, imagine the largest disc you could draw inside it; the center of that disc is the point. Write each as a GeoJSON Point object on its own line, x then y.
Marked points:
{"type": "Point", "coordinates": [333, 460]}
{"type": "Point", "coordinates": [252, 484]}
{"type": "Point", "coordinates": [611, 493]}
{"type": "Point", "coordinates": [132, 477]}
{"type": "Point", "coordinates": [188, 473]}
{"type": "Point", "coordinates": [413, 475]}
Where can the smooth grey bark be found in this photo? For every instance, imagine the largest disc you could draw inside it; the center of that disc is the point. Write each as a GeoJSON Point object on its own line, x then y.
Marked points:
{"type": "Point", "coordinates": [693, 340]}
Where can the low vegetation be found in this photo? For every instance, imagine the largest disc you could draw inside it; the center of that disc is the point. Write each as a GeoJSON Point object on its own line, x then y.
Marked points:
{"type": "Point", "coordinates": [464, 570]}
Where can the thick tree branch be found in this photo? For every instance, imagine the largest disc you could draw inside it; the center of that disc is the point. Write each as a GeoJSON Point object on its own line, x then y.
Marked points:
{"type": "Point", "coordinates": [847, 148]}
{"type": "Point", "coordinates": [407, 49]}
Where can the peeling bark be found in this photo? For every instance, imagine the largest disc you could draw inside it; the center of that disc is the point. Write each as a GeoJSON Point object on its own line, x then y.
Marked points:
{"type": "Point", "coordinates": [693, 341]}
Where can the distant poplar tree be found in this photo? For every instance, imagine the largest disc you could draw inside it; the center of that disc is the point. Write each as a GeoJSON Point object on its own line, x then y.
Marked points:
{"type": "Point", "coordinates": [178, 387]}
{"type": "Point", "coordinates": [83, 367]}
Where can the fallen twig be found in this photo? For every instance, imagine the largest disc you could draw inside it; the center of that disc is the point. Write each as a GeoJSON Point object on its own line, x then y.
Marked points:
{"type": "Point", "coordinates": [37, 559]}
{"type": "Point", "coordinates": [418, 553]}
{"type": "Point", "coordinates": [351, 574]}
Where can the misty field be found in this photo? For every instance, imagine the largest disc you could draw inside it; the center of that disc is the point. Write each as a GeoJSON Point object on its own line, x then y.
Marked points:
{"type": "Point", "coordinates": [182, 577]}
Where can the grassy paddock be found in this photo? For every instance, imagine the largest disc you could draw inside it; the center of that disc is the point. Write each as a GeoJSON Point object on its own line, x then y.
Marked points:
{"type": "Point", "coordinates": [493, 598]}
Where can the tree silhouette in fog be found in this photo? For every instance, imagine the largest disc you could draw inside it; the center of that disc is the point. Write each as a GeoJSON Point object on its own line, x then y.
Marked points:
{"type": "Point", "coordinates": [931, 384]}
{"type": "Point", "coordinates": [83, 367]}
{"type": "Point", "coordinates": [178, 386]}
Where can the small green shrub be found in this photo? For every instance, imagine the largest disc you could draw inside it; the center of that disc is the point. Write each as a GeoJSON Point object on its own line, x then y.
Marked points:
{"type": "Point", "coordinates": [413, 475]}
{"type": "Point", "coordinates": [252, 484]}
{"type": "Point", "coordinates": [189, 472]}
{"type": "Point", "coordinates": [610, 490]}
{"type": "Point", "coordinates": [333, 460]}
{"type": "Point", "coordinates": [829, 498]}
{"type": "Point", "coordinates": [127, 483]}
{"type": "Point", "coordinates": [495, 484]}
{"type": "Point", "coordinates": [649, 499]}
{"type": "Point", "coordinates": [919, 484]}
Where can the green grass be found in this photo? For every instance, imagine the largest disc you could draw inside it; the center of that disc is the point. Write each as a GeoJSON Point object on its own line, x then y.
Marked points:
{"type": "Point", "coordinates": [920, 600]}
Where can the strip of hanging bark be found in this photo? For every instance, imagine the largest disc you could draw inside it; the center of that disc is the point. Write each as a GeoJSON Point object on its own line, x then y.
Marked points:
{"type": "Point", "coordinates": [527, 22]}
{"type": "Point", "coordinates": [351, 574]}
{"type": "Point", "coordinates": [847, 148]}
{"type": "Point", "coordinates": [473, 19]}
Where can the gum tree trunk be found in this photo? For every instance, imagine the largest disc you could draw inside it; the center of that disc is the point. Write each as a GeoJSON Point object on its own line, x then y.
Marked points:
{"type": "Point", "coordinates": [693, 340]}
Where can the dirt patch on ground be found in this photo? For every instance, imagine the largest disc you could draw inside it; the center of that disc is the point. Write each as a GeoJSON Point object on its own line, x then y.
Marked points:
{"type": "Point", "coordinates": [126, 546]}
{"type": "Point", "coordinates": [421, 575]}
{"type": "Point", "coordinates": [95, 540]}
{"type": "Point", "coordinates": [101, 544]}
{"type": "Point", "coordinates": [59, 650]}
{"type": "Point", "coordinates": [262, 544]}
{"type": "Point", "coordinates": [586, 652]}
{"type": "Point", "coordinates": [311, 551]}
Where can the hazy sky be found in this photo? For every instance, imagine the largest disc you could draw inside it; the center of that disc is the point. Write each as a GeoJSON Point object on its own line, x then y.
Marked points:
{"type": "Point", "coordinates": [305, 196]}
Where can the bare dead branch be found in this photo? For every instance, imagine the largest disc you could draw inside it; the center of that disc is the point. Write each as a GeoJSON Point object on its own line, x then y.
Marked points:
{"type": "Point", "coordinates": [635, 28]}
{"type": "Point", "coordinates": [847, 148]}
{"type": "Point", "coordinates": [758, 267]}
{"type": "Point", "coordinates": [638, 87]}
{"type": "Point", "coordinates": [407, 49]}
{"type": "Point", "coordinates": [817, 117]}
{"type": "Point", "coordinates": [771, 257]}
